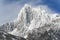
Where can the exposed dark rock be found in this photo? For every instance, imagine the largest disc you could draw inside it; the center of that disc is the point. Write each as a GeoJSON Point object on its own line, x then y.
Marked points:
{"type": "Point", "coordinates": [50, 35]}
{"type": "Point", "coordinates": [35, 35]}
{"type": "Point", "coordinates": [5, 36]}
{"type": "Point", "coordinates": [9, 26]}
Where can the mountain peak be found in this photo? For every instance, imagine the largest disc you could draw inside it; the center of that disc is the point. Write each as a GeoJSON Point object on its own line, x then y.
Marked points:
{"type": "Point", "coordinates": [27, 5]}
{"type": "Point", "coordinates": [31, 18]}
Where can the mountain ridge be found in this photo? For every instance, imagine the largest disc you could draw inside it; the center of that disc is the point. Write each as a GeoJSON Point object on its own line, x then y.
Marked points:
{"type": "Point", "coordinates": [31, 19]}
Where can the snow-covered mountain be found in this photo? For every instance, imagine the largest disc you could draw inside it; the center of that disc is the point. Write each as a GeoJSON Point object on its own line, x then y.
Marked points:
{"type": "Point", "coordinates": [32, 20]}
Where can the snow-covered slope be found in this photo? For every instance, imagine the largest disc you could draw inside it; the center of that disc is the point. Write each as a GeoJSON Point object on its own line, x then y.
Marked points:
{"type": "Point", "coordinates": [31, 18]}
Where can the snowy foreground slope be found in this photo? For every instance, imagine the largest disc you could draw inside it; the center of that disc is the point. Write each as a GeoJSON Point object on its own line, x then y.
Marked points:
{"type": "Point", "coordinates": [34, 23]}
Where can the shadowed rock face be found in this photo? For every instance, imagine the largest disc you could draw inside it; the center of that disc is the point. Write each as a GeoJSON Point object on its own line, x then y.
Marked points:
{"type": "Point", "coordinates": [5, 36]}
{"type": "Point", "coordinates": [50, 35]}
{"type": "Point", "coordinates": [54, 34]}
{"type": "Point", "coordinates": [46, 35]}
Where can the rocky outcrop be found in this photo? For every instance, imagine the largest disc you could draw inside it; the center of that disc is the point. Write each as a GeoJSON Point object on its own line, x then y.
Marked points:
{"type": "Point", "coordinates": [6, 36]}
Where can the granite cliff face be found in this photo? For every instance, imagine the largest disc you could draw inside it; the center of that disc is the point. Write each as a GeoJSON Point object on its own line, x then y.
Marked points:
{"type": "Point", "coordinates": [34, 23]}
